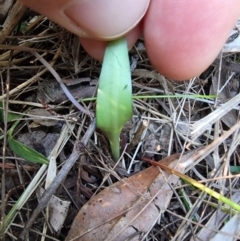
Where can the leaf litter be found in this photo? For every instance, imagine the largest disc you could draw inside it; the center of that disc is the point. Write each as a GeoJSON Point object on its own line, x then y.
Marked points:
{"type": "Point", "coordinates": [109, 216]}
{"type": "Point", "coordinates": [94, 178]}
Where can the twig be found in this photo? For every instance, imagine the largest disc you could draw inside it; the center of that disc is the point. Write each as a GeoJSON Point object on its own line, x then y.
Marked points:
{"type": "Point", "coordinates": [78, 150]}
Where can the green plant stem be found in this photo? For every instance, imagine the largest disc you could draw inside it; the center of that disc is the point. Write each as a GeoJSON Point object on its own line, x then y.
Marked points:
{"type": "Point", "coordinates": [114, 143]}
{"type": "Point", "coordinates": [10, 131]}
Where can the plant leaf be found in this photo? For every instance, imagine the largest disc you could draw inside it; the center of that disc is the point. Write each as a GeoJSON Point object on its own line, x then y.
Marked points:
{"type": "Point", "coordinates": [114, 98]}
{"type": "Point", "coordinates": [25, 152]}
{"type": "Point", "coordinates": [235, 169]}
{"type": "Point", "coordinates": [10, 116]}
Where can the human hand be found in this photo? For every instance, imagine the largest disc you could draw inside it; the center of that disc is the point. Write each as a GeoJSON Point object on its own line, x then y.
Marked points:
{"type": "Point", "coordinates": [182, 37]}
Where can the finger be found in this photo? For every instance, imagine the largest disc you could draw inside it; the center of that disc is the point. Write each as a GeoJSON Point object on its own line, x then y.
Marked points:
{"type": "Point", "coordinates": [184, 37]}
{"type": "Point", "coordinates": [96, 48]}
{"type": "Point", "coordinates": [101, 19]}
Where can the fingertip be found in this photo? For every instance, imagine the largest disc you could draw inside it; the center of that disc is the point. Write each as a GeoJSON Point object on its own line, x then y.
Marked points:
{"type": "Point", "coordinates": [104, 19]}
{"type": "Point", "coordinates": [183, 38]}
{"type": "Point", "coordinates": [96, 48]}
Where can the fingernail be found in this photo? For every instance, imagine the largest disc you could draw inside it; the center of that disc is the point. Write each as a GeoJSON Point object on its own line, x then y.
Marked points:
{"type": "Point", "coordinates": [106, 19]}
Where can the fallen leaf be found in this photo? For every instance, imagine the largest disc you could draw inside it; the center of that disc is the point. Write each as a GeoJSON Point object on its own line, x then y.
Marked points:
{"type": "Point", "coordinates": [58, 209]}
{"type": "Point", "coordinates": [58, 212]}
{"type": "Point", "coordinates": [43, 117]}
{"type": "Point", "coordinates": [127, 208]}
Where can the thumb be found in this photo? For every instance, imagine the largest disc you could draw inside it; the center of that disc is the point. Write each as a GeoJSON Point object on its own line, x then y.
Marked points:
{"type": "Point", "coordinates": [99, 19]}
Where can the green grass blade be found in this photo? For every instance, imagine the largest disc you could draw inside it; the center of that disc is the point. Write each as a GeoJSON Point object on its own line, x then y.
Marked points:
{"type": "Point", "coordinates": [209, 191]}
{"type": "Point", "coordinates": [10, 116]}
{"type": "Point", "coordinates": [136, 97]}
{"type": "Point", "coordinates": [25, 152]}
{"type": "Point", "coordinates": [114, 98]}
{"type": "Point", "coordinates": [4, 223]}
{"type": "Point", "coordinates": [197, 184]}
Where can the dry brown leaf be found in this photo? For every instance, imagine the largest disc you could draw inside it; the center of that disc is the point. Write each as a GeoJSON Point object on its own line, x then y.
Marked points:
{"type": "Point", "coordinates": [128, 208]}
{"type": "Point", "coordinates": [43, 117]}
{"type": "Point", "coordinates": [58, 210]}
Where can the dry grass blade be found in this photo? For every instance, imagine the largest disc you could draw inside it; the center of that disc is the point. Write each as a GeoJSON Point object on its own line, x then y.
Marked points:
{"type": "Point", "coordinates": [12, 20]}
{"type": "Point", "coordinates": [221, 88]}
{"type": "Point", "coordinates": [35, 182]}
{"type": "Point", "coordinates": [206, 123]}
{"type": "Point", "coordinates": [196, 184]}
{"type": "Point", "coordinates": [230, 231]}
{"type": "Point", "coordinates": [215, 221]}
{"type": "Point", "coordinates": [33, 79]}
